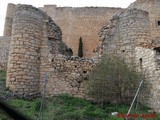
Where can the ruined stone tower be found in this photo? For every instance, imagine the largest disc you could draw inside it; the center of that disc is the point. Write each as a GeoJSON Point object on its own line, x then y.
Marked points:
{"type": "Point", "coordinates": [8, 20]}
{"type": "Point", "coordinates": [152, 7]}
{"type": "Point", "coordinates": [24, 55]}
{"type": "Point", "coordinates": [126, 30]}
{"type": "Point", "coordinates": [134, 35]}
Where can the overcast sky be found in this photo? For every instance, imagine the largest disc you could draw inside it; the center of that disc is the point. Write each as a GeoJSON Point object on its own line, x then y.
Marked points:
{"type": "Point", "coordinates": [72, 3]}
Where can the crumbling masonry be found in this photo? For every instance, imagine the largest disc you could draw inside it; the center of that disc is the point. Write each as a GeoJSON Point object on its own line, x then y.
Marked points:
{"type": "Point", "coordinates": [33, 44]}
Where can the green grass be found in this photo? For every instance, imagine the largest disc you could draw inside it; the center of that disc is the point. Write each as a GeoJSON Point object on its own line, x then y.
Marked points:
{"type": "Point", "coordinates": [75, 108]}
{"type": "Point", "coordinates": [2, 75]}
{"type": "Point", "coordinates": [26, 108]}
{"type": "Point", "coordinates": [65, 107]}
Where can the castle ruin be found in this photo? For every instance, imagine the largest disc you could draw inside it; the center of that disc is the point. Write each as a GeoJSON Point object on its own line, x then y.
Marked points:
{"type": "Point", "coordinates": [45, 40]}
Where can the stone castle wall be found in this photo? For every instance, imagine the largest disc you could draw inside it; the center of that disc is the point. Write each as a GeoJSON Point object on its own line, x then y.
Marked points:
{"type": "Point", "coordinates": [37, 48]}
{"type": "Point", "coordinates": [4, 51]}
{"type": "Point", "coordinates": [129, 36]}
{"type": "Point", "coordinates": [126, 30]}
{"type": "Point", "coordinates": [79, 22]}
{"type": "Point", "coordinates": [147, 61]}
{"type": "Point", "coordinates": [33, 45]}
{"type": "Point", "coordinates": [67, 75]}
{"type": "Point", "coordinates": [8, 20]}
{"type": "Point", "coordinates": [64, 72]}
{"type": "Point", "coordinates": [152, 7]}
{"type": "Point", "coordinates": [24, 55]}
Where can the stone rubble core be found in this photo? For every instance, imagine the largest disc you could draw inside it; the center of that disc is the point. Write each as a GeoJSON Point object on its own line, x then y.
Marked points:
{"type": "Point", "coordinates": [32, 45]}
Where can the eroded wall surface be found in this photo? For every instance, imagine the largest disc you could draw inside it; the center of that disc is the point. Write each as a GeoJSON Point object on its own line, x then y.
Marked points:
{"type": "Point", "coordinates": [4, 51]}
{"type": "Point", "coordinates": [126, 30]}
{"type": "Point", "coordinates": [67, 75]}
{"type": "Point", "coordinates": [152, 7]}
{"type": "Point", "coordinates": [129, 36]}
{"type": "Point", "coordinates": [79, 22]}
{"type": "Point", "coordinates": [147, 61]}
{"type": "Point", "coordinates": [8, 20]}
{"type": "Point", "coordinates": [24, 55]}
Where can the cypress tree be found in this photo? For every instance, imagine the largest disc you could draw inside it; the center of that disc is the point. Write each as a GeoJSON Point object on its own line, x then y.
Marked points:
{"type": "Point", "coordinates": [80, 48]}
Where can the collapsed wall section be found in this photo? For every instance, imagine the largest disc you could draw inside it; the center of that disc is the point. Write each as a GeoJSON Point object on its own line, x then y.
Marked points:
{"type": "Point", "coordinates": [65, 73]}
{"type": "Point", "coordinates": [68, 75]}
{"type": "Point", "coordinates": [24, 55]}
{"type": "Point", "coordinates": [77, 22]}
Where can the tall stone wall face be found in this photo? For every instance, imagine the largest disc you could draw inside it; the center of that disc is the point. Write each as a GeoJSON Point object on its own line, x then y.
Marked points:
{"type": "Point", "coordinates": [24, 55]}
{"type": "Point", "coordinates": [8, 20]}
{"type": "Point", "coordinates": [4, 51]}
{"type": "Point", "coordinates": [147, 61]}
{"type": "Point", "coordinates": [152, 7]}
{"type": "Point", "coordinates": [134, 30]}
{"type": "Point", "coordinates": [82, 22]}
{"type": "Point", "coordinates": [126, 30]}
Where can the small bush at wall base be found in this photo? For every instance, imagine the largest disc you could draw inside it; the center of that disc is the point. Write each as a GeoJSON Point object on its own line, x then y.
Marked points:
{"type": "Point", "coordinates": [111, 80]}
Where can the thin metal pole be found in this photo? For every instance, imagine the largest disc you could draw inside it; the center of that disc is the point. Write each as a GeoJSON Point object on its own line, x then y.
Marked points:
{"type": "Point", "coordinates": [41, 114]}
{"type": "Point", "coordinates": [134, 98]}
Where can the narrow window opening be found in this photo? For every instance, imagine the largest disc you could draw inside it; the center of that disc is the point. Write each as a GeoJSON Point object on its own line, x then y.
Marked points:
{"type": "Point", "coordinates": [157, 50]}
{"type": "Point", "coordinates": [158, 22]}
{"type": "Point", "coordinates": [38, 50]}
{"type": "Point", "coordinates": [84, 71]}
{"type": "Point", "coordinates": [140, 61]}
{"type": "Point", "coordinates": [123, 50]}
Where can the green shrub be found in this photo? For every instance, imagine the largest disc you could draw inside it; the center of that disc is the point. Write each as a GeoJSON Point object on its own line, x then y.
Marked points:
{"type": "Point", "coordinates": [111, 80]}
